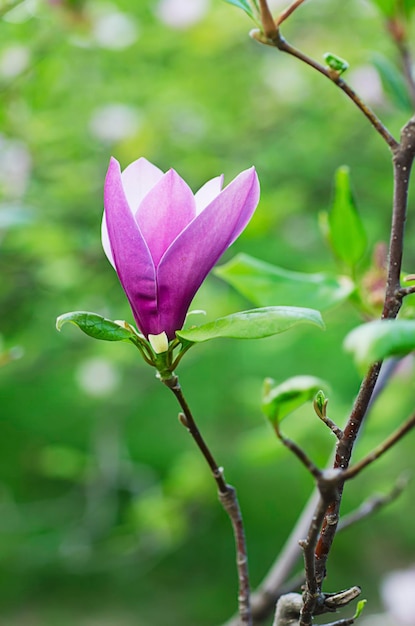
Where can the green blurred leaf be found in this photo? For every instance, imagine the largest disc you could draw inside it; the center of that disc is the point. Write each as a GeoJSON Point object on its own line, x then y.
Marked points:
{"type": "Point", "coordinates": [394, 8]}
{"type": "Point", "coordinates": [253, 324]}
{"type": "Point", "coordinates": [386, 7]}
{"type": "Point", "coordinates": [346, 232]}
{"type": "Point", "coordinates": [359, 608]}
{"type": "Point", "coordinates": [244, 5]}
{"type": "Point", "coordinates": [265, 284]}
{"type": "Point", "coordinates": [377, 340]}
{"type": "Point", "coordinates": [95, 326]}
{"type": "Point", "coordinates": [409, 7]}
{"type": "Point", "coordinates": [278, 401]}
{"type": "Point", "coordinates": [393, 82]}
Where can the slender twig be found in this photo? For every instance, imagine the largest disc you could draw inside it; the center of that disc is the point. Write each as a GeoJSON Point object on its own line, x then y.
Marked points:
{"type": "Point", "coordinates": [381, 449]}
{"type": "Point", "coordinates": [299, 452]}
{"type": "Point", "coordinates": [228, 499]}
{"type": "Point", "coordinates": [272, 36]}
{"type": "Point", "coordinates": [373, 504]}
{"type": "Point", "coordinates": [288, 11]}
{"type": "Point", "coordinates": [335, 77]}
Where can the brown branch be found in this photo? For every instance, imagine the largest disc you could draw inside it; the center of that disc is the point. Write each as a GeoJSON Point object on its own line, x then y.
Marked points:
{"type": "Point", "coordinates": [381, 449]}
{"type": "Point", "coordinates": [228, 499]}
{"type": "Point", "coordinates": [288, 11]}
{"type": "Point", "coordinates": [402, 161]}
{"type": "Point", "coordinates": [299, 452]}
{"type": "Point", "coordinates": [272, 37]}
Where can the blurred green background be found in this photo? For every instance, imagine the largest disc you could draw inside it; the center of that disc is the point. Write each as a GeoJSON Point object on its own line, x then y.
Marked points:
{"type": "Point", "coordinates": [107, 514]}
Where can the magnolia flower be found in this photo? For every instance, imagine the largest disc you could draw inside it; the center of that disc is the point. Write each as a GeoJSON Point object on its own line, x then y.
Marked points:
{"type": "Point", "coordinates": [163, 240]}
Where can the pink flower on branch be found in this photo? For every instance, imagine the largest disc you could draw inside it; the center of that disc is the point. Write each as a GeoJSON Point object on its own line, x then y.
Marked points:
{"type": "Point", "coordinates": [163, 240]}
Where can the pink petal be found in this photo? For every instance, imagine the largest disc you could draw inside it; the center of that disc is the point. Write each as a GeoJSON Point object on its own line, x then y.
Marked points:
{"type": "Point", "coordinates": [130, 254]}
{"type": "Point", "coordinates": [137, 179]}
{"type": "Point", "coordinates": [165, 211]}
{"type": "Point", "coordinates": [193, 254]}
{"type": "Point", "coordinates": [106, 241]}
{"type": "Point", "coordinates": [208, 192]}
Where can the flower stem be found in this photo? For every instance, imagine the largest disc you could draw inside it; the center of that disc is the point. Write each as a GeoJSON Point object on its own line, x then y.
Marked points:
{"type": "Point", "coordinates": [227, 497]}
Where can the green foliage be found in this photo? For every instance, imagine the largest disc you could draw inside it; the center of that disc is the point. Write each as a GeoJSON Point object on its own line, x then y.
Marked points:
{"type": "Point", "coordinates": [346, 231]}
{"type": "Point", "coordinates": [253, 324]}
{"type": "Point", "coordinates": [96, 326]}
{"type": "Point", "coordinates": [380, 339]}
{"type": "Point", "coordinates": [393, 82]}
{"type": "Point", "coordinates": [278, 401]}
{"type": "Point", "coordinates": [245, 6]}
{"type": "Point", "coordinates": [266, 285]}
{"type": "Point", "coordinates": [86, 430]}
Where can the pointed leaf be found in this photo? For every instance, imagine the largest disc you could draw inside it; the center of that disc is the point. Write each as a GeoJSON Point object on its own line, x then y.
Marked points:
{"type": "Point", "coordinates": [253, 324]}
{"type": "Point", "coordinates": [280, 400]}
{"type": "Point", "coordinates": [393, 82]}
{"type": "Point", "coordinates": [346, 232]}
{"type": "Point", "coordinates": [359, 608]}
{"type": "Point", "coordinates": [95, 326]}
{"type": "Point", "coordinates": [265, 284]}
{"type": "Point", "coordinates": [377, 340]}
{"type": "Point", "coordinates": [244, 5]}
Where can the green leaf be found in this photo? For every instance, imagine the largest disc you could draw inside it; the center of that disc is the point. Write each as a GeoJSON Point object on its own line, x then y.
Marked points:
{"type": "Point", "coordinates": [253, 324]}
{"type": "Point", "coordinates": [244, 5]}
{"type": "Point", "coordinates": [409, 7]}
{"type": "Point", "coordinates": [359, 608]}
{"type": "Point", "coordinates": [95, 326]}
{"type": "Point", "coordinates": [386, 7]}
{"type": "Point", "coordinates": [394, 8]}
{"type": "Point", "coordinates": [278, 401]}
{"type": "Point", "coordinates": [336, 63]}
{"type": "Point", "coordinates": [377, 340]}
{"type": "Point", "coordinates": [265, 284]}
{"type": "Point", "coordinates": [393, 82]}
{"type": "Point", "coordinates": [346, 232]}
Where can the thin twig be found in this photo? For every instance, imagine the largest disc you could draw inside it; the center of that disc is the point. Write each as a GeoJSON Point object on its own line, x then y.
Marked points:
{"type": "Point", "coordinates": [228, 499]}
{"type": "Point", "coordinates": [381, 449]}
{"type": "Point", "coordinates": [335, 77]}
{"type": "Point", "coordinates": [299, 452]}
{"type": "Point", "coordinates": [288, 11]}
{"type": "Point", "coordinates": [370, 506]}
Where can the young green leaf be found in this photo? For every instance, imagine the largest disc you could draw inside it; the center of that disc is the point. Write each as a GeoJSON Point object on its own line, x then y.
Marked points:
{"type": "Point", "coordinates": [359, 608]}
{"type": "Point", "coordinates": [393, 82]}
{"type": "Point", "coordinates": [377, 340]}
{"type": "Point", "coordinates": [345, 228]}
{"type": "Point", "coordinates": [280, 400]}
{"type": "Point", "coordinates": [265, 284]}
{"type": "Point", "coordinates": [95, 326]}
{"type": "Point", "coordinates": [336, 63]}
{"type": "Point", "coordinates": [253, 324]}
{"type": "Point", "coordinates": [244, 5]}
